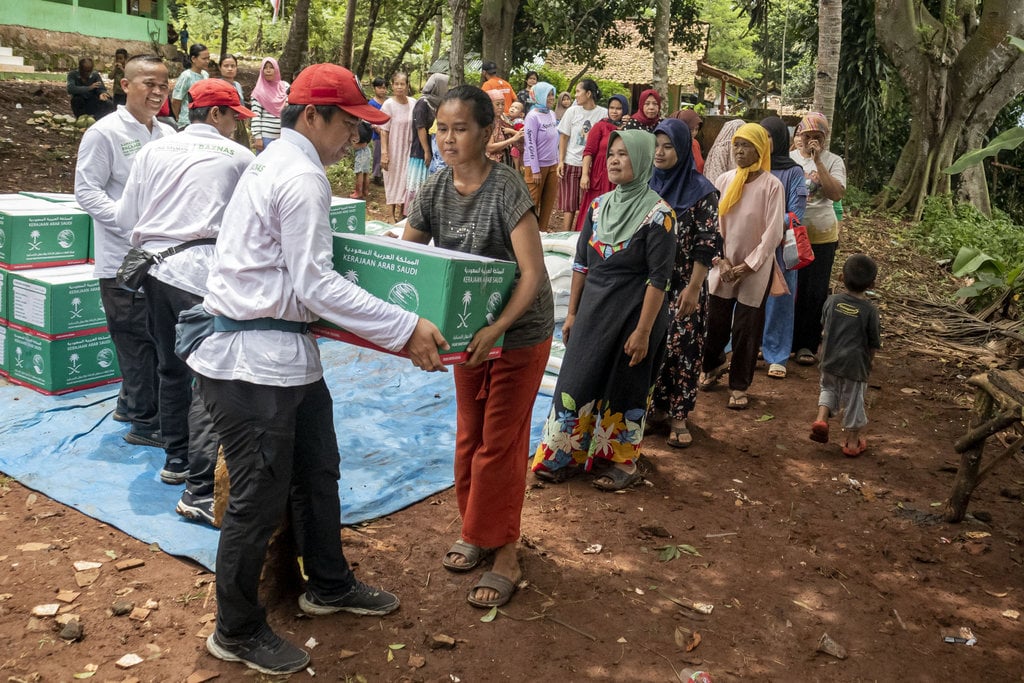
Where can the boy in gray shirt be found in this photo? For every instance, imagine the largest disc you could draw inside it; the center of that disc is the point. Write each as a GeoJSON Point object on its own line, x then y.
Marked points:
{"type": "Point", "coordinates": [852, 333]}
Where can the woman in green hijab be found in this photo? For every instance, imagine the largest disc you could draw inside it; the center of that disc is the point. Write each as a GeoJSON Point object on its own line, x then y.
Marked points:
{"type": "Point", "coordinates": [615, 331]}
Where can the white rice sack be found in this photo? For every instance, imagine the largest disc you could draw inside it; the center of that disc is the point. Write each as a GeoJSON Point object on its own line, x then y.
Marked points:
{"type": "Point", "coordinates": [560, 242]}
{"type": "Point", "coordinates": [547, 385]}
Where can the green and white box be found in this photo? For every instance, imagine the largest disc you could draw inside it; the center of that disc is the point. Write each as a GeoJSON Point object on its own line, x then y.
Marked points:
{"type": "Point", "coordinates": [3, 349]}
{"type": "Point", "coordinates": [58, 197]}
{"type": "Point", "coordinates": [348, 216]}
{"type": "Point", "coordinates": [3, 296]}
{"type": "Point", "coordinates": [61, 366]}
{"type": "Point", "coordinates": [56, 303]}
{"type": "Point", "coordinates": [35, 233]}
{"type": "Point", "coordinates": [460, 293]}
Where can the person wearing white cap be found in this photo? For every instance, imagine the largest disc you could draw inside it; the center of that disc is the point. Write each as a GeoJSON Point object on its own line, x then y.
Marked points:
{"type": "Point", "coordinates": [173, 204]}
{"type": "Point", "coordinates": [260, 376]}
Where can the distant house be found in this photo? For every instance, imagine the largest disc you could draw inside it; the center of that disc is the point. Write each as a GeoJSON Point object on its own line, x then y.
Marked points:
{"type": "Point", "coordinates": [632, 66]}
{"type": "Point", "coordinates": [41, 28]}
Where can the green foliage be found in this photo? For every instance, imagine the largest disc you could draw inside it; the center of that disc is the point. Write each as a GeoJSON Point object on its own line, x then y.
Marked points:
{"type": "Point", "coordinates": [730, 44]}
{"type": "Point", "coordinates": [1009, 139]}
{"type": "Point", "coordinates": [342, 176]}
{"type": "Point", "coordinates": [991, 277]}
{"type": "Point", "coordinates": [943, 232]}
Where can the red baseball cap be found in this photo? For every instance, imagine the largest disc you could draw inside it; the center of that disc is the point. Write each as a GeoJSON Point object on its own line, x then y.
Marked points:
{"type": "Point", "coordinates": [213, 92]}
{"type": "Point", "coordinates": [333, 84]}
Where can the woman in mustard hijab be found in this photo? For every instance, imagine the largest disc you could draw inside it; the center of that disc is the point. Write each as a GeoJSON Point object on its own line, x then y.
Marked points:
{"type": "Point", "coordinates": [750, 220]}
{"type": "Point", "coordinates": [615, 331]}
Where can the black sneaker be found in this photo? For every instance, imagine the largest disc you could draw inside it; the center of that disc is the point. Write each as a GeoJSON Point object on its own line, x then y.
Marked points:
{"type": "Point", "coordinates": [154, 439]}
{"type": "Point", "coordinates": [266, 652]}
{"type": "Point", "coordinates": [196, 508]}
{"type": "Point", "coordinates": [175, 471]}
{"type": "Point", "coordinates": [360, 600]}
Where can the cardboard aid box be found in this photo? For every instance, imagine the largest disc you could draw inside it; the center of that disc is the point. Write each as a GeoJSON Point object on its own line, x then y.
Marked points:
{"type": "Point", "coordinates": [3, 350]}
{"type": "Point", "coordinates": [348, 216]}
{"type": "Point", "coordinates": [61, 366]}
{"type": "Point", "coordinates": [460, 293]}
{"type": "Point", "coordinates": [56, 303]}
{"type": "Point", "coordinates": [3, 296]}
{"type": "Point", "coordinates": [35, 233]}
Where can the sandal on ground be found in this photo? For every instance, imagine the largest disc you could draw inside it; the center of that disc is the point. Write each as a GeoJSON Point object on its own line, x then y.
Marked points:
{"type": "Point", "coordinates": [805, 357]}
{"type": "Point", "coordinates": [679, 436]}
{"type": "Point", "coordinates": [738, 402]}
{"type": "Point", "coordinates": [710, 379]}
{"type": "Point", "coordinates": [504, 586]}
{"type": "Point", "coordinates": [777, 370]}
{"type": "Point", "coordinates": [474, 556]}
{"type": "Point", "coordinates": [819, 431]}
{"type": "Point", "coordinates": [559, 476]}
{"type": "Point", "coordinates": [854, 451]}
{"type": "Point", "coordinates": [615, 479]}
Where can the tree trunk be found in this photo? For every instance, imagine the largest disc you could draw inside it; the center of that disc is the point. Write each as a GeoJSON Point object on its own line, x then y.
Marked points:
{"type": "Point", "coordinates": [659, 80]}
{"type": "Point", "coordinates": [370, 25]}
{"type": "Point", "coordinates": [959, 74]}
{"type": "Point", "coordinates": [457, 56]}
{"type": "Point", "coordinates": [414, 35]}
{"type": "Point", "coordinates": [346, 37]}
{"type": "Point", "coordinates": [294, 54]}
{"type": "Point", "coordinates": [496, 20]}
{"type": "Point", "coordinates": [435, 50]}
{"type": "Point", "coordinates": [830, 40]}
{"type": "Point", "coordinates": [225, 23]}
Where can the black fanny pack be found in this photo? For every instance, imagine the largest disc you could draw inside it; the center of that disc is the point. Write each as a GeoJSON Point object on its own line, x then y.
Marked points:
{"type": "Point", "coordinates": [137, 262]}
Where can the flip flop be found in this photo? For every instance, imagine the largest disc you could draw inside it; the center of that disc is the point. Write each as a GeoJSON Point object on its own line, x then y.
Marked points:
{"type": "Point", "coordinates": [559, 476]}
{"type": "Point", "coordinates": [504, 586]}
{"type": "Point", "coordinates": [474, 556]}
{"type": "Point", "coordinates": [805, 357]}
{"type": "Point", "coordinates": [710, 379]}
{"type": "Point", "coordinates": [777, 370]}
{"type": "Point", "coordinates": [679, 437]}
{"type": "Point", "coordinates": [738, 402]}
{"type": "Point", "coordinates": [615, 479]}
{"type": "Point", "coordinates": [862, 445]}
{"type": "Point", "coordinates": [819, 431]}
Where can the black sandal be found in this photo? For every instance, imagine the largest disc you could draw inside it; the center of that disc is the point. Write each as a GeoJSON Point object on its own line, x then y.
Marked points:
{"type": "Point", "coordinates": [615, 479]}
{"type": "Point", "coordinates": [559, 476]}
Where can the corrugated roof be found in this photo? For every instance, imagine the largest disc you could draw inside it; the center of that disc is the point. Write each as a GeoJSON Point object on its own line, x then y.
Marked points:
{"type": "Point", "coordinates": [633, 63]}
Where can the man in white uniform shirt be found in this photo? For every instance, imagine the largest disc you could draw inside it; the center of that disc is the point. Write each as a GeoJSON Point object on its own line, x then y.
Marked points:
{"type": "Point", "coordinates": [175, 199]}
{"type": "Point", "coordinates": [259, 372]}
{"type": "Point", "coordinates": [105, 158]}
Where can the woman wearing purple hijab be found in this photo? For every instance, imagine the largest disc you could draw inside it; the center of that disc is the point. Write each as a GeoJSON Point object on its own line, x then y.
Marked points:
{"type": "Point", "coordinates": [695, 201]}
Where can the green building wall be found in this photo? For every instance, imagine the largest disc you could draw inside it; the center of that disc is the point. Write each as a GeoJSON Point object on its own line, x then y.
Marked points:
{"type": "Point", "coordinates": [100, 18]}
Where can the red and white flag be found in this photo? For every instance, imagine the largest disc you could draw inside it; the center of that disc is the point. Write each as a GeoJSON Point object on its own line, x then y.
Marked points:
{"type": "Point", "coordinates": [276, 4]}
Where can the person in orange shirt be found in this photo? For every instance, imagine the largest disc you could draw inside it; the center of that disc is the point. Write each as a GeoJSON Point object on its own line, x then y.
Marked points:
{"type": "Point", "coordinates": [490, 81]}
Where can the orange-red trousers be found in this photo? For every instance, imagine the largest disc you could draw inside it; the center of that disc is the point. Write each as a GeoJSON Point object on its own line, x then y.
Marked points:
{"type": "Point", "coordinates": [492, 442]}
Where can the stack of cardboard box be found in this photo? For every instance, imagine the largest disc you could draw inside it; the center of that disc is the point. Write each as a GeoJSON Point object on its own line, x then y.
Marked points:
{"type": "Point", "coordinates": [53, 331]}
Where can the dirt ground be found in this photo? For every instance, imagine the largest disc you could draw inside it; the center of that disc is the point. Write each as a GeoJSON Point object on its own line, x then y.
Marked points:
{"type": "Point", "coordinates": [790, 540]}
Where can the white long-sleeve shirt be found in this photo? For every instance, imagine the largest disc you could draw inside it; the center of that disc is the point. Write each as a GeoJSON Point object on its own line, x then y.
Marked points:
{"type": "Point", "coordinates": [105, 159]}
{"type": "Point", "coordinates": [274, 260]}
{"type": "Point", "coordinates": [176, 193]}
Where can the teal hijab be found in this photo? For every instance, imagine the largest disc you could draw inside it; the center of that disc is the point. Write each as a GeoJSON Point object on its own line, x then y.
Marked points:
{"type": "Point", "coordinates": [541, 90]}
{"type": "Point", "coordinates": [623, 209]}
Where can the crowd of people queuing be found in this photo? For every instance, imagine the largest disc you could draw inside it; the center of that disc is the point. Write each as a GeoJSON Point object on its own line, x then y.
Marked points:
{"type": "Point", "coordinates": [672, 267]}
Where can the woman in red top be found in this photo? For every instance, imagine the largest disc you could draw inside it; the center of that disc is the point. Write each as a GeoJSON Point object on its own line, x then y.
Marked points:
{"type": "Point", "coordinates": [594, 180]}
{"type": "Point", "coordinates": [693, 121]}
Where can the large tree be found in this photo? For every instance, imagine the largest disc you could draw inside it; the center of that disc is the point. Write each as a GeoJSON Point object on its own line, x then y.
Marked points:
{"type": "Point", "coordinates": [662, 23]}
{"type": "Point", "coordinates": [959, 70]}
{"type": "Point", "coordinates": [297, 45]}
{"type": "Point", "coordinates": [830, 40]}
{"type": "Point", "coordinates": [496, 20]}
{"type": "Point", "coordinates": [457, 56]}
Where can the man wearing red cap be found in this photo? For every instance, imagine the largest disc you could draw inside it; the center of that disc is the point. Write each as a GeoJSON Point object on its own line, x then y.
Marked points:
{"type": "Point", "coordinates": [260, 376]}
{"type": "Point", "coordinates": [173, 205]}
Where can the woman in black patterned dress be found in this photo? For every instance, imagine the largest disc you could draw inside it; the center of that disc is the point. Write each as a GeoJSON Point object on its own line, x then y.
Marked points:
{"type": "Point", "coordinates": [695, 201]}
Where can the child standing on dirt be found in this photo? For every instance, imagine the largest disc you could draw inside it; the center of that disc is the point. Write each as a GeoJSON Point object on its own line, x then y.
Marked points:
{"type": "Point", "coordinates": [363, 164]}
{"type": "Point", "coordinates": [852, 334]}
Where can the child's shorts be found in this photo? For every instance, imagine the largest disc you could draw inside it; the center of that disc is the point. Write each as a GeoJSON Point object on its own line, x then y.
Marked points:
{"type": "Point", "coordinates": [364, 160]}
{"type": "Point", "coordinates": [845, 394]}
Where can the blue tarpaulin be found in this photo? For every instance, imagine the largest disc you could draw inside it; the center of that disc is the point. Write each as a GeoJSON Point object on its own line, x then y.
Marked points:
{"type": "Point", "coordinates": [395, 427]}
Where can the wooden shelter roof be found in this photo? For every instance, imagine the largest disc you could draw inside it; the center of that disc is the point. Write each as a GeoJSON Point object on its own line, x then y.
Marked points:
{"type": "Point", "coordinates": [633, 63]}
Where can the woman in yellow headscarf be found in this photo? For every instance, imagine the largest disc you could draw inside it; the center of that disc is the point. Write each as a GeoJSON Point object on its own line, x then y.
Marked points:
{"type": "Point", "coordinates": [750, 216]}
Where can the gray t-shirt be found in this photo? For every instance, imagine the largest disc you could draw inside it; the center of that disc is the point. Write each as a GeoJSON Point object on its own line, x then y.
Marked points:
{"type": "Point", "coordinates": [851, 329]}
{"type": "Point", "coordinates": [481, 223]}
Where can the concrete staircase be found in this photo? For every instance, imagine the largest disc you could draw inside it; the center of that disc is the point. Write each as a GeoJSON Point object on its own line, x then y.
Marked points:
{"type": "Point", "coordinates": [11, 64]}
